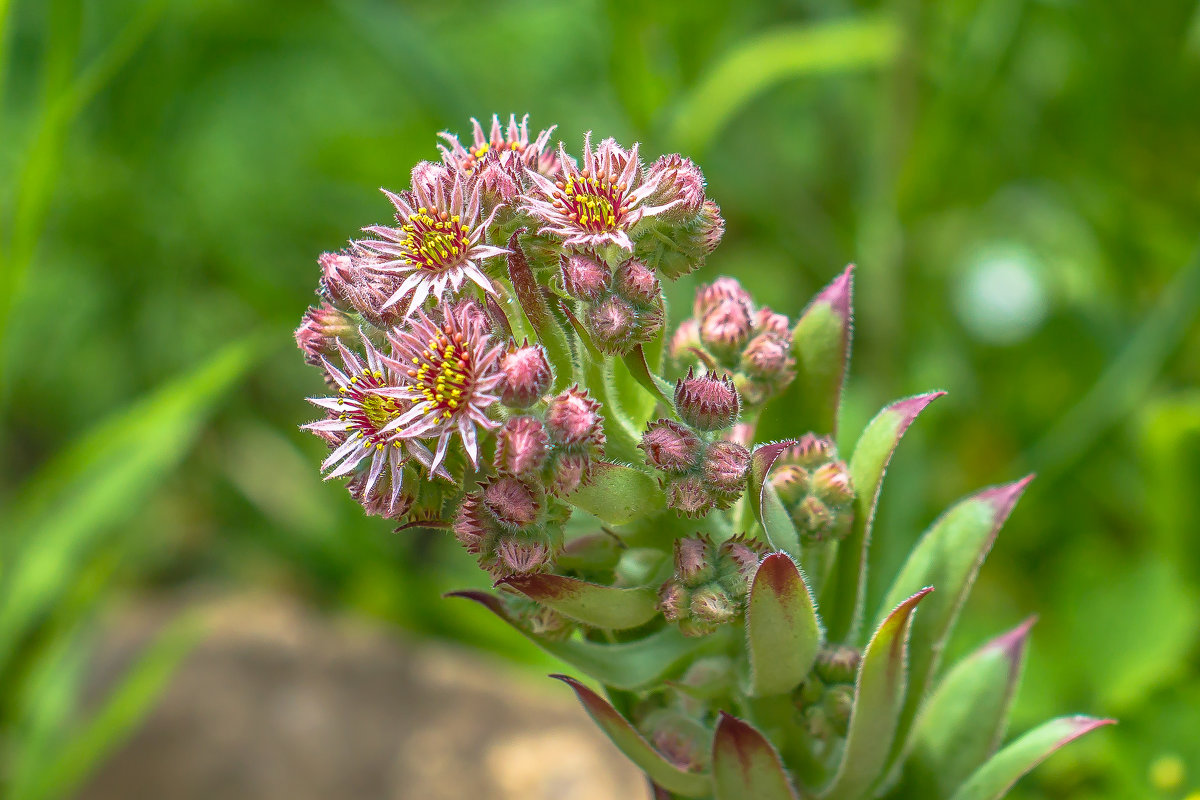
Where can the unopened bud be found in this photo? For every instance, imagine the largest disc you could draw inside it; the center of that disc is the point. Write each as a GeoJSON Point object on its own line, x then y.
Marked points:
{"type": "Point", "coordinates": [319, 331]}
{"type": "Point", "coordinates": [522, 557]}
{"type": "Point", "coordinates": [712, 226]}
{"type": "Point", "coordinates": [689, 496]}
{"type": "Point", "coordinates": [742, 555]}
{"type": "Point", "coordinates": [512, 502]}
{"type": "Point", "coordinates": [838, 703]}
{"type": "Point", "coordinates": [670, 446]}
{"type": "Point", "coordinates": [337, 272]}
{"type": "Point", "coordinates": [726, 328]}
{"type": "Point", "coordinates": [573, 417]}
{"type": "Point", "coordinates": [707, 403]}
{"type": "Point", "coordinates": [831, 483]}
{"type": "Point", "coordinates": [767, 321]}
{"type": "Point", "coordinates": [611, 323]}
{"type": "Point", "coordinates": [584, 277]}
{"type": "Point", "coordinates": [838, 664]}
{"type": "Point", "coordinates": [674, 601]}
{"type": "Point", "coordinates": [708, 297]}
{"type": "Point", "coordinates": [810, 451]}
{"type": "Point", "coordinates": [712, 604]}
{"type": "Point", "coordinates": [726, 466]}
{"type": "Point", "coordinates": [679, 179]}
{"type": "Point", "coordinates": [521, 446]}
{"type": "Point", "coordinates": [637, 283]}
{"type": "Point", "coordinates": [567, 472]}
{"type": "Point", "coordinates": [692, 560]}
{"type": "Point", "coordinates": [527, 376]}
{"type": "Point", "coordinates": [768, 355]}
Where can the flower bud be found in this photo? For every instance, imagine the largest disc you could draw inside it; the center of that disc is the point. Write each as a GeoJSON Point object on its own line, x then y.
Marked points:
{"type": "Point", "coordinates": [831, 483]}
{"type": "Point", "coordinates": [739, 557]}
{"type": "Point", "coordinates": [838, 664]}
{"type": "Point", "coordinates": [502, 552]}
{"type": "Point", "coordinates": [573, 417]}
{"type": "Point", "coordinates": [688, 496]}
{"type": "Point", "coordinates": [810, 451]}
{"type": "Point", "coordinates": [691, 560]}
{"type": "Point", "coordinates": [816, 489]}
{"type": "Point", "coordinates": [726, 466]}
{"type": "Point", "coordinates": [319, 331]}
{"type": "Point", "coordinates": [584, 277]}
{"type": "Point", "coordinates": [567, 472]}
{"type": "Point", "coordinates": [637, 283]}
{"type": "Point", "coordinates": [768, 355]}
{"type": "Point", "coordinates": [611, 323]}
{"type": "Point", "coordinates": [838, 704]}
{"type": "Point", "coordinates": [337, 272]}
{"type": "Point", "coordinates": [679, 180]}
{"type": "Point", "coordinates": [713, 605]}
{"type": "Point", "coordinates": [674, 601]}
{"type": "Point", "coordinates": [707, 403]}
{"type": "Point", "coordinates": [521, 446]}
{"type": "Point", "coordinates": [522, 557]}
{"type": "Point", "coordinates": [512, 502]}
{"type": "Point", "coordinates": [726, 328]}
{"type": "Point", "coordinates": [712, 226]}
{"type": "Point", "coordinates": [670, 446]}
{"type": "Point", "coordinates": [527, 375]}
{"type": "Point", "coordinates": [708, 297]}
{"type": "Point", "coordinates": [767, 321]}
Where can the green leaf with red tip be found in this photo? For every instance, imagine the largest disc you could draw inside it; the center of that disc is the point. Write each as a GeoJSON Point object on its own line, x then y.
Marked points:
{"type": "Point", "coordinates": [821, 347]}
{"type": "Point", "coordinates": [767, 507]}
{"type": "Point", "coordinates": [842, 598]}
{"type": "Point", "coordinates": [636, 748]}
{"type": "Point", "coordinates": [993, 780]}
{"type": "Point", "coordinates": [589, 603]}
{"type": "Point", "coordinates": [964, 720]}
{"type": "Point", "coordinates": [618, 494]}
{"type": "Point", "coordinates": [948, 556]}
{"type": "Point", "coordinates": [533, 303]}
{"type": "Point", "coordinates": [878, 701]}
{"type": "Point", "coordinates": [746, 766]}
{"type": "Point", "coordinates": [782, 627]}
{"type": "Point", "coordinates": [625, 665]}
{"type": "Point", "coordinates": [635, 361]}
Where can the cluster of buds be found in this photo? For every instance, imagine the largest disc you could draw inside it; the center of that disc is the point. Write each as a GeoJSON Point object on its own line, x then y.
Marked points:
{"type": "Point", "coordinates": [728, 331]}
{"type": "Point", "coordinates": [621, 308]}
{"type": "Point", "coordinates": [484, 373]}
{"type": "Point", "coordinates": [710, 583]}
{"type": "Point", "coordinates": [701, 472]}
{"type": "Point", "coordinates": [815, 488]}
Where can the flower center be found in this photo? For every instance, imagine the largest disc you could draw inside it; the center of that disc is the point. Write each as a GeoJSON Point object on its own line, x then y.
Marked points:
{"type": "Point", "coordinates": [442, 374]}
{"type": "Point", "coordinates": [367, 411]}
{"type": "Point", "coordinates": [435, 243]}
{"type": "Point", "coordinates": [594, 201]}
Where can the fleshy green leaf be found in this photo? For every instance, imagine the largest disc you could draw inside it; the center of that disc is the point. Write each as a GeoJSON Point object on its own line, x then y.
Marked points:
{"type": "Point", "coordinates": [625, 665]}
{"type": "Point", "coordinates": [589, 603]}
{"type": "Point", "coordinates": [878, 701]}
{"type": "Point", "coordinates": [618, 494]}
{"type": "Point", "coordinates": [635, 360]}
{"type": "Point", "coordinates": [964, 720]}
{"type": "Point", "coordinates": [821, 346]}
{"type": "Point", "coordinates": [632, 744]}
{"type": "Point", "coordinates": [842, 598]}
{"type": "Point", "coordinates": [533, 303]}
{"type": "Point", "coordinates": [768, 509]}
{"type": "Point", "coordinates": [948, 556]}
{"type": "Point", "coordinates": [993, 780]}
{"type": "Point", "coordinates": [782, 627]}
{"type": "Point", "coordinates": [745, 765]}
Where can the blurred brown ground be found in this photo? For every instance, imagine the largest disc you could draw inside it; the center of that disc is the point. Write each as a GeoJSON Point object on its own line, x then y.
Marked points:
{"type": "Point", "coordinates": [280, 702]}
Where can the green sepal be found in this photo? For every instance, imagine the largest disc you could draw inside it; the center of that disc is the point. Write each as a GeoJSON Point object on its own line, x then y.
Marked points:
{"type": "Point", "coordinates": [767, 507]}
{"type": "Point", "coordinates": [963, 722]}
{"type": "Point", "coordinates": [878, 701]}
{"type": "Point", "coordinates": [622, 733]}
{"type": "Point", "coordinates": [624, 665]}
{"type": "Point", "coordinates": [842, 598]}
{"type": "Point", "coordinates": [618, 494]}
{"type": "Point", "coordinates": [745, 765]}
{"type": "Point", "coordinates": [589, 603]}
{"type": "Point", "coordinates": [782, 628]}
{"type": "Point", "coordinates": [948, 556]}
{"type": "Point", "coordinates": [533, 303]}
{"type": "Point", "coordinates": [993, 780]}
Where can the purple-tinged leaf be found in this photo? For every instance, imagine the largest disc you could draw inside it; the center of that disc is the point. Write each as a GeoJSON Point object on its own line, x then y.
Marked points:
{"type": "Point", "coordinates": [993, 780]}
{"type": "Point", "coordinates": [626, 665]}
{"type": "Point", "coordinates": [878, 701]}
{"type": "Point", "coordinates": [821, 347]}
{"type": "Point", "coordinates": [746, 766]}
{"type": "Point", "coordinates": [589, 603]}
{"type": "Point", "coordinates": [963, 722]}
{"type": "Point", "coordinates": [842, 598]}
{"type": "Point", "coordinates": [618, 494]}
{"type": "Point", "coordinates": [497, 316]}
{"type": "Point", "coordinates": [782, 628]}
{"type": "Point", "coordinates": [948, 556]}
{"type": "Point", "coordinates": [768, 509]}
{"type": "Point", "coordinates": [537, 310]}
{"type": "Point", "coordinates": [618, 729]}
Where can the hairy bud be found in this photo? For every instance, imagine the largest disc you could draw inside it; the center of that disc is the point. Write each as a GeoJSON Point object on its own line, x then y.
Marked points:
{"type": "Point", "coordinates": [726, 328]}
{"type": "Point", "coordinates": [816, 489]}
{"type": "Point", "coordinates": [712, 226]}
{"type": "Point", "coordinates": [527, 375]}
{"type": "Point", "coordinates": [319, 331]}
{"type": "Point", "coordinates": [670, 446]}
{"type": "Point", "coordinates": [522, 446]}
{"type": "Point", "coordinates": [692, 560]}
{"type": "Point", "coordinates": [679, 179]}
{"type": "Point", "coordinates": [707, 403]}
{"type": "Point", "coordinates": [503, 551]}
{"type": "Point", "coordinates": [513, 502]}
{"type": "Point", "coordinates": [573, 417]}
{"type": "Point", "coordinates": [584, 277]}
{"type": "Point", "coordinates": [637, 283]}
{"type": "Point", "coordinates": [688, 495]}
{"type": "Point", "coordinates": [725, 469]}
{"type": "Point", "coordinates": [710, 296]}
{"type": "Point", "coordinates": [710, 584]}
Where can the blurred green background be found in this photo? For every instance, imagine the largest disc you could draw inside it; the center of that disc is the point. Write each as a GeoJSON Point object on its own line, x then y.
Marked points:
{"type": "Point", "coordinates": [1018, 181]}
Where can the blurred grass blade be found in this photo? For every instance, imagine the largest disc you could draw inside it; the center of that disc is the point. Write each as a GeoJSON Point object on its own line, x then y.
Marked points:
{"type": "Point", "coordinates": [770, 58]}
{"type": "Point", "coordinates": [58, 516]}
{"type": "Point", "coordinates": [124, 707]}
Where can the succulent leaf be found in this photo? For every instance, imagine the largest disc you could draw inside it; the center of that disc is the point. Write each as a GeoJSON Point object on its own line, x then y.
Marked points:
{"type": "Point", "coordinates": [821, 347]}
{"type": "Point", "coordinates": [745, 765]}
{"type": "Point", "coordinates": [878, 702]}
{"type": "Point", "coordinates": [618, 494]}
{"type": "Point", "coordinates": [632, 744]}
{"type": "Point", "coordinates": [635, 360]}
{"type": "Point", "coordinates": [768, 509]}
{"type": "Point", "coordinates": [782, 627]}
{"type": "Point", "coordinates": [625, 665]}
{"type": "Point", "coordinates": [589, 603]}
{"type": "Point", "coordinates": [964, 720]}
{"type": "Point", "coordinates": [993, 780]}
{"type": "Point", "coordinates": [842, 599]}
{"type": "Point", "coordinates": [537, 311]}
{"type": "Point", "coordinates": [948, 556]}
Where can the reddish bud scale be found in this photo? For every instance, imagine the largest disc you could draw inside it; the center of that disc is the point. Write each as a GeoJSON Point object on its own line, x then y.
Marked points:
{"type": "Point", "coordinates": [584, 277]}
{"type": "Point", "coordinates": [637, 283]}
{"type": "Point", "coordinates": [725, 470]}
{"type": "Point", "coordinates": [710, 584]}
{"type": "Point", "coordinates": [502, 551]}
{"type": "Point", "coordinates": [671, 447]}
{"type": "Point", "coordinates": [522, 446]}
{"type": "Point", "coordinates": [816, 489]}
{"type": "Point", "coordinates": [573, 418]}
{"type": "Point", "coordinates": [707, 403]}
{"type": "Point", "coordinates": [319, 331]}
{"type": "Point", "coordinates": [527, 376]}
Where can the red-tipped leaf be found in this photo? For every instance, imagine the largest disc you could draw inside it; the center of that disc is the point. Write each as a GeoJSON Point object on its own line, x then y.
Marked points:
{"type": "Point", "coordinates": [767, 507]}
{"type": "Point", "coordinates": [746, 766]}
{"type": "Point", "coordinates": [589, 603]}
{"type": "Point", "coordinates": [782, 628]}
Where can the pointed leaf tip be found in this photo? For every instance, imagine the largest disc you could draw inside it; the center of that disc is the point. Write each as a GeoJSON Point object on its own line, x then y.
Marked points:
{"type": "Point", "coordinates": [1013, 642]}
{"type": "Point", "coordinates": [910, 407]}
{"type": "Point", "coordinates": [746, 765]}
{"type": "Point", "coordinates": [782, 629]}
{"type": "Point", "coordinates": [1003, 497]}
{"type": "Point", "coordinates": [589, 603]}
{"type": "Point", "coordinates": [839, 293]}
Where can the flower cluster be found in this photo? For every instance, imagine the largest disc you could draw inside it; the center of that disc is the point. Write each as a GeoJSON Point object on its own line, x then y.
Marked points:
{"type": "Point", "coordinates": [498, 362]}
